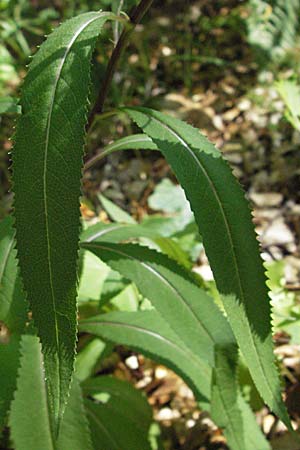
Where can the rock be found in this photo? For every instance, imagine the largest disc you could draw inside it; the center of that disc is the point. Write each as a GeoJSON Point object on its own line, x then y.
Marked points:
{"type": "Point", "coordinates": [132, 362]}
{"type": "Point", "coordinates": [277, 234]}
{"type": "Point", "coordinates": [266, 199]}
{"type": "Point", "coordinates": [244, 104]}
{"type": "Point", "coordinates": [165, 414]}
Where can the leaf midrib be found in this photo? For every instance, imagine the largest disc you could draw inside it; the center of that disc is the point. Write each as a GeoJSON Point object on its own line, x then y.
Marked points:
{"type": "Point", "coordinates": [135, 140]}
{"type": "Point", "coordinates": [44, 393]}
{"type": "Point", "coordinates": [105, 231]}
{"type": "Point", "coordinates": [100, 424]}
{"type": "Point", "coordinates": [184, 351]}
{"type": "Point", "coordinates": [237, 272]}
{"type": "Point", "coordinates": [227, 414]}
{"type": "Point", "coordinates": [229, 423]}
{"type": "Point", "coordinates": [164, 281]}
{"type": "Point", "coordinates": [48, 128]}
{"type": "Point", "coordinates": [91, 389]}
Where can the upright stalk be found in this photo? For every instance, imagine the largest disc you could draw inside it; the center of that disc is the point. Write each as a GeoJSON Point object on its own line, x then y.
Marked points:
{"type": "Point", "coordinates": [135, 17]}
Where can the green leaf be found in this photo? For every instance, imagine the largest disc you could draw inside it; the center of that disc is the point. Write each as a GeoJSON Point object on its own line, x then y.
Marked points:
{"type": "Point", "coordinates": [149, 333]}
{"type": "Point", "coordinates": [128, 299]}
{"type": "Point", "coordinates": [164, 226]}
{"type": "Point", "coordinates": [115, 212]}
{"type": "Point", "coordinates": [229, 240]}
{"type": "Point", "coordinates": [187, 308]}
{"type": "Point", "coordinates": [199, 325]}
{"type": "Point", "coordinates": [113, 286]}
{"type": "Point", "coordinates": [9, 357]}
{"type": "Point", "coordinates": [171, 248]}
{"type": "Point", "coordinates": [118, 232]}
{"type": "Point", "coordinates": [31, 431]}
{"type": "Point", "coordinates": [272, 29]}
{"type": "Point", "coordinates": [133, 142]}
{"type": "Point", "coordinates": [171, 199]}
{"type": "Point", "coordinates": [136, 141]}
{"type": "Point", "coordinates": [9, 105]}
{"type": "Point", "coordinates": [224, 398]}
{"type": "Point", "coordinates": [289, 91]}
{"type": "Point", "coordinates": [13, 316]}
{"type": "Point", "coordinates": [94, 273]}
{"type": "Point", "coordinates": [119, 415]}
{"type": "Point", "coordinates": [13, 308]}
{"type": "Point", "coordinates": [74, 433]}
{"type": "Point", "coordinates": [88, 357]}
{"type": "Point", "coordinates": [47, 161]}
{"type": "Point", "coordinates": [34, 431]}
{"type": "Point", "coordinates": [254, 437]}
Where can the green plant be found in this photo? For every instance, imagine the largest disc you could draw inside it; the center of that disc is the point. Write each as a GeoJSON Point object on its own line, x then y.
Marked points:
{"type": "Point", "coordinates": [176, 323]}
{"type": "Point", "coordinates": [273, 28]}
{"type": "Point", "coordinates": [289, 90]}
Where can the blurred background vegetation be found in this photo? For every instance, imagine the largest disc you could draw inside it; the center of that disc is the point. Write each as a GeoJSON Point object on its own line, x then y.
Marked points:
{"type": "Point", "coordinates": [230, 68]}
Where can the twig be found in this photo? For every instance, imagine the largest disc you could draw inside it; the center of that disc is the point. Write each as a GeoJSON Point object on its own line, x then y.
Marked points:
{"type": "Point", "coordinates": [136, 16]}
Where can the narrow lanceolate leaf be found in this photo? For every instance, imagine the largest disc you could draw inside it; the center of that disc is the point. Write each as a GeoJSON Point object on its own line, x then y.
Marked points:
{"type": "Point", "coordinates": [224, 397]}
{"type": "Point", "coordinates": [224, 221]}
{"type": "Point", "coordinates": [47, 161]}
{"type": "Point", "coordinates": [117, 232]}
{"type": "Point", "coordinates": [34, 431]}
{"type": "Point", "coordinates": [134, 142]}
{"type": "Point", "coordinates": [75, 433]}
{"type": "Point", "coordinates": [254, 437]}
{"type": "Point", "coordinates": [13, 308]}
{"type": "Point", "coordinates": [119, 415]}
{"type": "Point", "coordinates": [89, 357]}
{"type": "Point", "coordinates": [31, 431]}
{"type": "Point", "coordinates": [13, 315]}
{"type": "Point", "coordinates": [115, 212]}
{"type": "Point", "coordinates": [189, 311]}
{"type": "Point", "coordinates": [149, 333]}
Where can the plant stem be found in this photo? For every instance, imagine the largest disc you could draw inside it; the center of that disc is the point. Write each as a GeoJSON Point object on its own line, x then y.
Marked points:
{"type": "Point", "coordinates": [136, 16]}
{"type": "Point", "coordinates": [116, 30]}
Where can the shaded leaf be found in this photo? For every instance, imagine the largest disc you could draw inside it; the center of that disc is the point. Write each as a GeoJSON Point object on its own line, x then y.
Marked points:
{"type": "Point", "coordinates": [34, 431]}
{"type": "Point", "coordinates": [74, 433]}
{"type": "Point", "coordinates": [31, 430]}
{"type": "Point", "coordinates": [224, 398]}
{"type": "Point", "coordinates": [13, 307]}
{"type": "Point", "coordinates": [13, 316]}
{"type": "Point", "coordinates": [47, 161]}
{"type": "Point", "coordinates": [119, 415]}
